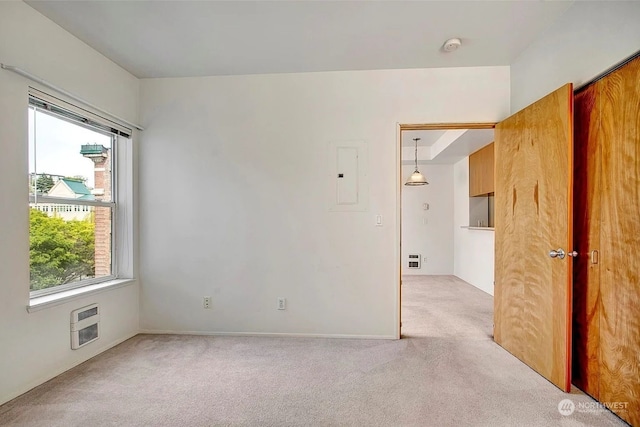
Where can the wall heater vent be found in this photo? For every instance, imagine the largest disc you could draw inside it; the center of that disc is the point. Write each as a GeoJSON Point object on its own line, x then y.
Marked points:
{"type": "Point", "coordinates": [84, 326]}
{"type": "Point", "coordinates": [414, 261]}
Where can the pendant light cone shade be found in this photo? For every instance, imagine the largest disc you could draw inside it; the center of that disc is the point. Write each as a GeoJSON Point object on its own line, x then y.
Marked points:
{"type": "Point", "coordinates": [416, 177]}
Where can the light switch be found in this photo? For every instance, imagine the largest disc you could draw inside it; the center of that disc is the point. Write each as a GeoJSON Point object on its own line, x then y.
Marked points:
{"type": "Point", "coordinates": [378, 220]}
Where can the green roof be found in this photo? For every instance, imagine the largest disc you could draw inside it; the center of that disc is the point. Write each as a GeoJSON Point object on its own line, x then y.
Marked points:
{"type": "Point", "coordinates": [77, 187]}
{"type": "Point", "coordinates": [92, 149]}
{"type": "Point", "coordinates": [87, 197]}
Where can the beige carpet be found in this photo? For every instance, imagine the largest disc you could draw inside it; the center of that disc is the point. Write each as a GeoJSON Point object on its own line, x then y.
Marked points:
{"type": "Point", "coordinates": [445, 372]}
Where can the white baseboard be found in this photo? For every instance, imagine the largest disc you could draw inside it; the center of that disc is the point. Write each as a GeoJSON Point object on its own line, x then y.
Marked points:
{"type": "Point", "coordinates": [35, 383]}
{"type": "Point", "coordinates": [268, 334]}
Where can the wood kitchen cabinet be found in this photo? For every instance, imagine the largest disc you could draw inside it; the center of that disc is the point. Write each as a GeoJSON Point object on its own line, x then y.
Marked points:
{"type": "Point", "coordinates": [481, 179]}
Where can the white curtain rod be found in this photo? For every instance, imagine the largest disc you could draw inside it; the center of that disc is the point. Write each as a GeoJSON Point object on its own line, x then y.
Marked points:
{"type": "Point", "coordinates": [70, 95]}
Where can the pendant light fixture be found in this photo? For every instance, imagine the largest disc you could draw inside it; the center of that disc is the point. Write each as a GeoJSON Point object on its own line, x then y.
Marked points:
{"type": "Point", "coordinates": [416, 177]}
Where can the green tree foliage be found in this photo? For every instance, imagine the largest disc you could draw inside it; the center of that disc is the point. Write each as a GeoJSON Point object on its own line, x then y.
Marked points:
{"type": "Point", "coordinates": [60, 251]}
{"type": "Point", "coordinates": [44, 183]}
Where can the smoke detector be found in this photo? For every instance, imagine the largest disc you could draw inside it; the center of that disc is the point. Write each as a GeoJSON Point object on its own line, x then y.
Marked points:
{"type": "Point", "coordinates": [451, 45]}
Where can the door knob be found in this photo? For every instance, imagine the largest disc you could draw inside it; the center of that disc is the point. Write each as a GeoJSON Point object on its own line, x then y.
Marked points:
{"type": "Point", "coordinates": [560, 253]}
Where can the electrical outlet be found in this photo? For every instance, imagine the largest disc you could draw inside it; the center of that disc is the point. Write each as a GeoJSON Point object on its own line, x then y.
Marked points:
{"type": "Point", "coordinates": [206, 302]}
{"type": "Point", "coordinates": [282, 303]}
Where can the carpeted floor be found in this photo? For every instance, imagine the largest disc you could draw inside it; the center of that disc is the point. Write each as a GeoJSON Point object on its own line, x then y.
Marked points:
{"type": "Point", "coordinates": [446, 371]}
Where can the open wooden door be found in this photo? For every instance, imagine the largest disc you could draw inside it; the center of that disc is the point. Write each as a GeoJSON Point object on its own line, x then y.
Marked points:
{"type": "Point", "coordinates": [533, 235]}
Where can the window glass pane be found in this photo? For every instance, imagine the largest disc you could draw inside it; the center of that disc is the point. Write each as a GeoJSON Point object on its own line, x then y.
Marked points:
{"type": "Point", "coordinates": [68, 243]}
{"type": "Point", "coordinates": [68, 160]}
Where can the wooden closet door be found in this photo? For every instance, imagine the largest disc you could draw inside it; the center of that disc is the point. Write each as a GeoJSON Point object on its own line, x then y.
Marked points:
{"type": "Point", "coordinates": [619, 94]}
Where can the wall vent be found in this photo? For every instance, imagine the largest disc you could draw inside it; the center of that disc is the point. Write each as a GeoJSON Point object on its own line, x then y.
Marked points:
{"type": "Point", "coordinates": [414, 261]}
{"type": "Point", "coordinates": [85, 323]}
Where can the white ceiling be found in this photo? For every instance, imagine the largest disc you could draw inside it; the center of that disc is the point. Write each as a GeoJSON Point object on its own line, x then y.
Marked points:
{"type": "Point", "coordinates": [185, 38]}
{"type": "Point", "coordinates": [427, 137]}
{"type": "Point", "coordinates": [449, 146]}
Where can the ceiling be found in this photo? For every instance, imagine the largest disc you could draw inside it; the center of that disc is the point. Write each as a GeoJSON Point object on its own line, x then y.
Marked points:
{"type": "Point", "coordinates": [197, 38]}
{"type": "Point", "coordinates": [427, 137]}
{"type": "Point", "coordinates": [446, 147]}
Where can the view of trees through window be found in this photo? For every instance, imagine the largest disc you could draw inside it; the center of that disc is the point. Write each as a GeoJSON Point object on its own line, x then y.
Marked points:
{"type": "Point", "coordinates": [60, 251]}
{"type": "Point", "coordinates": [70, 201]}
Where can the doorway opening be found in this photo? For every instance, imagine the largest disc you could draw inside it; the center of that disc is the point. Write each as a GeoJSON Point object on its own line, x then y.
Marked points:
{"type": "Point", "coordinates": [444, 231]}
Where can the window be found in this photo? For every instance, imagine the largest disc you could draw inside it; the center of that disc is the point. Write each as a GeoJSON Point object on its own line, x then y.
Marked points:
{"type": "Point", "coordinates": [72, 197]}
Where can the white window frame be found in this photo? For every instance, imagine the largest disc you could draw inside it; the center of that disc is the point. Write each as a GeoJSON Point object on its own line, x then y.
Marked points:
{"type": "Point", "coordinates": [115, 183]}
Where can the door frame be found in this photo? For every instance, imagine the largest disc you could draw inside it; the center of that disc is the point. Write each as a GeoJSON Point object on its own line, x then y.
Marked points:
{"type": "Point", "coordinates": [401, 127]}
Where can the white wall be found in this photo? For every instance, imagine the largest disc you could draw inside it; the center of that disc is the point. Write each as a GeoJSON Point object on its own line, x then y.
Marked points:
{"type": "Point", "coordinates": [474, 249]}
{"type": "Point", "coordinates": [428, 232]}
{"type": "Point", "coordinates": [233, 195]}
{"type": "Point", "coordinates": [586, 40]}
{"type": "Point", "coordinates": [36, 346]}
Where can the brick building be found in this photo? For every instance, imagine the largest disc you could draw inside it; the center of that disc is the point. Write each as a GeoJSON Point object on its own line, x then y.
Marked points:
{"type": "Point", "coordinates": [101, 157]}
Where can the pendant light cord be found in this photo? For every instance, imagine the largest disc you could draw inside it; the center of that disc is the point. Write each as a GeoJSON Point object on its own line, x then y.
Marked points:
{"type": "Point", "coordinates": [416, 153]}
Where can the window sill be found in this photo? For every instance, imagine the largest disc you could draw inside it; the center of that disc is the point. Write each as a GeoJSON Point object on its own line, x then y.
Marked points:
{"type": "Point", "coordinates": [46, 301]}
